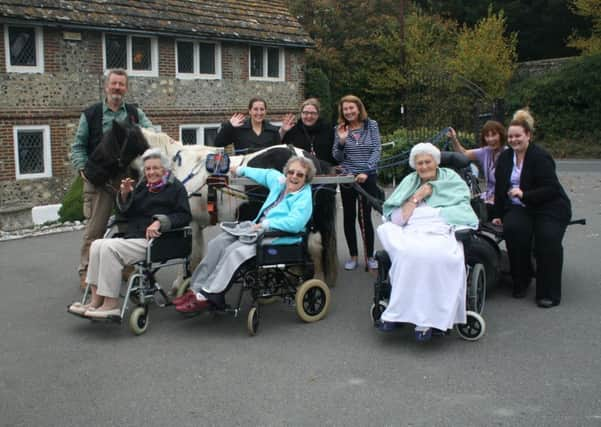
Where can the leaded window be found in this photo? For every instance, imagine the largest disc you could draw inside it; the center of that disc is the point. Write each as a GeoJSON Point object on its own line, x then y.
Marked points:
{"type": "Point", "coordinates": [116, 51]}
{"type": "Point", "coordinates": [138, 55]}
{"type": "Point", "coordinates": [266, 63]}
{"type": "Point", "coordinates": [32, 151]}
{"type": "Point", "coordinates": [198, 60]}
{"type": "Point", "coordinates": [24, 49]}
{"type": "Point", "coordinates": [189, 136]}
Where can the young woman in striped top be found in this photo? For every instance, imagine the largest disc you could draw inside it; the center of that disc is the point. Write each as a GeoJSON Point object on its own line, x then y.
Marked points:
{"type": "Point", "coordinates": [357, 148]}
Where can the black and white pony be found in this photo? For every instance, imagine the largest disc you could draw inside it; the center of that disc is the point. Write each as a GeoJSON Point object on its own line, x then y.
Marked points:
{"type": "Point", "coordinates": [188, 164]}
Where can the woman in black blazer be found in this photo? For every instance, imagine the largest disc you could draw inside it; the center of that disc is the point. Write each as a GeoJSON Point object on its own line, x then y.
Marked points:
{"type": "Point", "coordinates": [531, 205]}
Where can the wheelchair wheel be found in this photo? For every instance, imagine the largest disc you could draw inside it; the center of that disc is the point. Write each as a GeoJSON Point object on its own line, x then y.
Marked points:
{"type": "Point", "coordinates": [377, 310]}
{"type": "Point", "coordinates": [252, 321]}
{"type": "Point", "coordinates": [312, 300]}
{"type": "Point", "coordinates": [476, 292]}
{"type": "Point", "coordinates": [138, 320]}
{"type": "Point", "coordinates": [183, 287]}
{"type": "Point", "coordinates": [473, 329]}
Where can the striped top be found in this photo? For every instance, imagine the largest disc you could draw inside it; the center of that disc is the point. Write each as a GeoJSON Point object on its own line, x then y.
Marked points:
{"type": "Point", "coordinates": [361, 152]}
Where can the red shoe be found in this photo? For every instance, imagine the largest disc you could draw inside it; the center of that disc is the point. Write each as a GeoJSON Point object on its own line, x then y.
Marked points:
{"type": "Point", "coordinates": [192, 306]}
{"type": "Point", "coordinates": [181, 299]}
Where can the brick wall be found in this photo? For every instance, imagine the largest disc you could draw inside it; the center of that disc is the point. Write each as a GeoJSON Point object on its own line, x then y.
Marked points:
{"type": "Point", "coordinates": [73, 79]}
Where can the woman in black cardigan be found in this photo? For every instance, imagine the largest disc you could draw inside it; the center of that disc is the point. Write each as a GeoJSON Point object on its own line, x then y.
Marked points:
{"type": "Point", "coordinates": [531, 205]}
{"type": "Point", "coordinates": [249, 134]}
{"type": "Point", "coordinates": [310, 132]}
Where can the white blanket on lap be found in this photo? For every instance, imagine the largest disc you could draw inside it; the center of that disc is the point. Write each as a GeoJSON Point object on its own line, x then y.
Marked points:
{"type": "Point", "coordinates": [427, 273]}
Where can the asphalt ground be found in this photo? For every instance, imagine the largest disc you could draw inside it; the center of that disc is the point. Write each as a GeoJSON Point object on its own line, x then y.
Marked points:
{"type": "Point", "coordinates": [534, 367]}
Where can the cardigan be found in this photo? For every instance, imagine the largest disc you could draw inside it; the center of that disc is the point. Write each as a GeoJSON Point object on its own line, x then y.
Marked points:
{"type": "Point", "coordinates": [543, 194]}
{"type": "Point", "coordinates": [169, 206]}
{"type": "Point", "coordinates": [319, 138]}
{"type": "Point", "coordinates": [292, 214]}
{"type": "Point", "coordinates": [362, 155]}
{"type": "Point", "coordinates": [245, 139]}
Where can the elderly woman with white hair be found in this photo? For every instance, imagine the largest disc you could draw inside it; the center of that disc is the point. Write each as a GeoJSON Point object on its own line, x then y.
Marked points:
{"type": "Point", "coordinates": [288, 208]}
{"type": "Point", "coordinates": [428, 268]}
{"type": "Point", "coordinates": [158, 203]}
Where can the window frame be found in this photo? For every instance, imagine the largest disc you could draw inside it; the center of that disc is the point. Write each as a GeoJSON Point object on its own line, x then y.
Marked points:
{"type": "Point", "coordinates": [195, 61]}
{"type": "Point", "coordinates": [281, 64]}
{"type": "Point", "coordinates": [39, 51]}
{"type": "Point", "coordinates": [154, 55]}
{"type": "Point", "coordinates": [200, 134]}
{"type": "Point", "coordinates": [47, 154]}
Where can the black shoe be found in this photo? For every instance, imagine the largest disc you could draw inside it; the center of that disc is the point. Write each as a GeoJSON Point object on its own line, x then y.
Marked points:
{"type": "Point", "coordinates": [546, 303]}
{"type": "Point", "coordinates": [384, 326]}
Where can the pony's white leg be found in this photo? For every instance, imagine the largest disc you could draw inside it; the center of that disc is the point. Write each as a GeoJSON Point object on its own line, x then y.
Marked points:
{"type": "Point", "coordinates": [315, 247]}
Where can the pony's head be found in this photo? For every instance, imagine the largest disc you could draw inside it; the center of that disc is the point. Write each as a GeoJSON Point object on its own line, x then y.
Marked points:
{"type": "Point", "coordinates": [128, 139]}
{"type": "Point", "coordinates": [111, 158]}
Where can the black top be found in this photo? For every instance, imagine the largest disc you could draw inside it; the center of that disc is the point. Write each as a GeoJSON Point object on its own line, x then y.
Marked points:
{"type": "Point", "coordinates": [543, 194]}
{"type": "Point", "coordinates": [169, 205]}
{"type": "Point", "coordinates": [94, 115]}
{"type": "Point", "coordinates": [317, 139]}
{"type": "Point", "coordinates": [245, 140]}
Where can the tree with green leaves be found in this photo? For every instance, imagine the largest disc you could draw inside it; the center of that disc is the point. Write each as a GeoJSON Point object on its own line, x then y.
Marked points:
{"type": "Point", "coordinates": [590, 9]}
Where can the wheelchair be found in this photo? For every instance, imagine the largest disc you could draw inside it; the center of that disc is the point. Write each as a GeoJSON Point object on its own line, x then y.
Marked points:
{"type": "Point", "coordinates": [170, 249]}
{"type": "Point", "coordinates": [277, 272]}
{"type": "Point", "coordinates": [475, 326]}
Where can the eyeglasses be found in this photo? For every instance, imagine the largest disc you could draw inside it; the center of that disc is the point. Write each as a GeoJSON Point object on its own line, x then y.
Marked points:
{"type": "Point", "coordinates": [310, 113]}
{"type": "Point", "coordinates": [298, 174]}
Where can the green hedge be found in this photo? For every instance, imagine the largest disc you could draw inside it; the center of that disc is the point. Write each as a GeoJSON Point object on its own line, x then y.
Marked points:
{"type": "Point", "coordinates": [72, 208]}
{"type": "Point", "coordinates": [566, 105]}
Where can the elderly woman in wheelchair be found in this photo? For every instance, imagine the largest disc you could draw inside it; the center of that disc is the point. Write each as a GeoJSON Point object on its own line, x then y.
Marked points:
{"type": "Point", "coordinates": [427, 267]}
{"type": "Point", "coordinates": [288, 209]}
{"type": "Point", "coordinates": [158, 203]}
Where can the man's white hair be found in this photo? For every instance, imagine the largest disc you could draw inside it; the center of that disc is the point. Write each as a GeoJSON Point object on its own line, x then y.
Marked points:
{"type": "Point", "coordinates": [424, 148]}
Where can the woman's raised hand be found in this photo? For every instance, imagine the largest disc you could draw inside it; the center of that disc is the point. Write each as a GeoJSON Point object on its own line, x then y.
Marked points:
{"type": "Point", "coordinates": [288, 122]}
{"type": "Point", "coordinates": [237, 120]}
{"type": "Point", "coordinates": [342, 130]}
{"type": "Point", "coordinates": [126, 187]}
{"type": "Point", "coordinates": [452, 134]}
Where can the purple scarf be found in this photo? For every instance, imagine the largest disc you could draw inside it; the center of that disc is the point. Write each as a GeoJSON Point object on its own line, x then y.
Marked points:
{"type": "Point", "coordinates": [158, 186]}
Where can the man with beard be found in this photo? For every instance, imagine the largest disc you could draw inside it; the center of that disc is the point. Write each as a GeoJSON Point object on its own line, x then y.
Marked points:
{"type": "Point", "coordinates": [93, 123]}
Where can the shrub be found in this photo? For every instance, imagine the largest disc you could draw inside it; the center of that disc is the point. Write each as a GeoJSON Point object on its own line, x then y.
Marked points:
{"type": "Point", "coordinates": [566, 104]}
{"type": "Point", "coordinates": [317, 85]}
{"type": "Point", "coordinates": [72, 208]}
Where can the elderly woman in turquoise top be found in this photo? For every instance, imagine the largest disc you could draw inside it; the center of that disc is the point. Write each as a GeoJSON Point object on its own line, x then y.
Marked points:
{"type": "Point", "coordinates": [428, 269]}
{"type": "Point", "coordinates": [288, 208]}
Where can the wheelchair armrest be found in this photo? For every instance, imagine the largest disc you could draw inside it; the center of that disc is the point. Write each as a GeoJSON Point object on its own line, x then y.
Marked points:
{"type": "Point", "coordinates": [464, 235]}
{"type": "Point", "coordinates": [172, 244]}
{"type": "Point", "coordinates": [489, 227]}
{"type": "Point", "coordinates": [278, 233]}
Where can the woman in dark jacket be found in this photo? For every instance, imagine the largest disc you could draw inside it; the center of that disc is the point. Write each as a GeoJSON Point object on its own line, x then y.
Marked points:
{"type": "Point", "coordinates": [532, 206]}
{"type": "Point", "coordinates": [310, 133]}
{"type": "Point", "coordinates": [157, 204]}
{"type": "Point", "coordinates": [249, 134]}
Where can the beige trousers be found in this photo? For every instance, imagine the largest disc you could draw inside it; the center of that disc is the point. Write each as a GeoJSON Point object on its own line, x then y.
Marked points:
{"type": "Point", "coordinates": [107, 258]}
{"type": "Point", "coordinates": [97, 208]}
